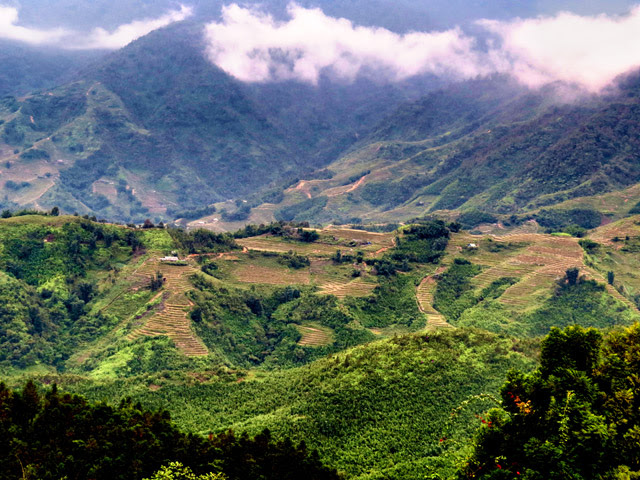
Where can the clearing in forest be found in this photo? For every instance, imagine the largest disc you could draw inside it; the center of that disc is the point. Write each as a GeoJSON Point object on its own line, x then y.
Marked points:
{"type": "Point", "coordinates": [314, 335]}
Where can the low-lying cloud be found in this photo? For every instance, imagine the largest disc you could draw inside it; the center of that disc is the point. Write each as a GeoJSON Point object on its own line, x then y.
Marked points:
{"type": "Point", "coordinates": [125, 34]}
{"type": "Point", "coordinates": [10, 30]}
{"type": "Point", "coordinates": [98, 38]}
{"type": "Point", "coordinates": [254, 47]}
{"type": "Point", "coordinates": [586, 51]}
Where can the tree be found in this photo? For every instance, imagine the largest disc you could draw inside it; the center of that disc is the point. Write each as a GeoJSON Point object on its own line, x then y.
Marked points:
{"type": "Point", "coordinates": [610, 277]}
{"type": "Point", "coordinates": [570, 419]}
{"type": "Point", "coordinates": [308, 236]}
{"type": "Point", "coordinates": [177, 471]}
{"type": "Point", "coordinates": [572, 275]}
{"type": "Point", "coordinates": [55, 211]}
{"type": "Point", "coordinates": [156, 281]}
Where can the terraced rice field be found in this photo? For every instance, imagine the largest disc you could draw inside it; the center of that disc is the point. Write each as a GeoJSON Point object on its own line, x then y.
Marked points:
{"type": "Point", "coordinates": [626, 227]}
{"type": "Point", "coordinates": [273, 244]}
{"type": "Point", "coordinates": [314, 335]}
{"type": "Point", "coordinates": [506, 269]}
{"type": "Point", "coordinates": [538, 260]}
{"type": "Point", "coordinates": [539, 265]}
{"type": "Point", "coordinates": [344, 288]}
{"type": "Point", "coordinates": [251, 273]}
{"type": "Point", "coordinates": [171, 318]}
{"type": "Point", "coordinates": [424, 296]}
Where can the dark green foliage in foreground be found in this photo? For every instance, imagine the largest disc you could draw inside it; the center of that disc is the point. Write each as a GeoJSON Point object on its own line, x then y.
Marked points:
{"type": "Point", "coordinates": [52, 435]}
{"type": "Point", "coordinates": [576, 417]}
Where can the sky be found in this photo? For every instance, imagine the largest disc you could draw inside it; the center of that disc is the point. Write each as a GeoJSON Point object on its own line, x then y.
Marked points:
{"type": "Point", "coordinates": [583, 43]}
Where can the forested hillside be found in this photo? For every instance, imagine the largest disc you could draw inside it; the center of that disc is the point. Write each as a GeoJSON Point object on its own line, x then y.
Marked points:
{"type": "Point", "coordinates": [361, 344]}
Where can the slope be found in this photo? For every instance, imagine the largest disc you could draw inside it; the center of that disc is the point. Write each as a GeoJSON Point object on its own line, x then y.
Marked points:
{"type": "Point", "coordinates": [377, 411]}
{"type": "Point", "coordinates": [156, 127]}
{"type": "Point", "coordinates": [486, 144]}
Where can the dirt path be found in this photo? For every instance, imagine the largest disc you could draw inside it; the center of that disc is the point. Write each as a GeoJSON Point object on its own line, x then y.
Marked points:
{"type": "Point", "coordinates": [300, 186]}
{"type": "Point", "coordinates": [356, 185]}
{"type": "Point", "coordinates": [384, 249]}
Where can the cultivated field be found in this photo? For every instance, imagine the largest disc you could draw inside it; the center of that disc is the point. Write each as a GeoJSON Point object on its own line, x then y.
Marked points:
{"type": "Point", "coordinates": [170, 318]}
{"type": "Point", "coordinates": [314, 335]}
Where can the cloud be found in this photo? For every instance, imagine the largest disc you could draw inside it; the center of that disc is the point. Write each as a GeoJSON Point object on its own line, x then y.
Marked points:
{"type": "Point", "coordinates": [589, 51]}
{"type": "Point", "coordinates": [585, 51]}
{"type": "Point", "coordinates": [254, 47]}
{"type": "Point", "coordinates": [98, 38]}
{"type": "Point", "coordinates": [11, 31]}
{"type": "Point", "coordinates": [125, 34]}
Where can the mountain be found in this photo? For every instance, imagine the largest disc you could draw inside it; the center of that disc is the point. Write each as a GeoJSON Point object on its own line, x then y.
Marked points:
{"type": "Point", "coordinates": [27, 69]}
{"type": "Point", "coordinates": [486, 144]}
{"type": "Point", "coordinates": [155, 126]}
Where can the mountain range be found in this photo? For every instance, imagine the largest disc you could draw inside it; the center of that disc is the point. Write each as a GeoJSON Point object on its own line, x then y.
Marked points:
{"type": "Point", "coordinates": [154, 130]}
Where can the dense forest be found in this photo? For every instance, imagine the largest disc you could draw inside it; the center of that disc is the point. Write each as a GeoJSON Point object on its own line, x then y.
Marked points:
{"type": "Point", "coordinates": [51, 435]}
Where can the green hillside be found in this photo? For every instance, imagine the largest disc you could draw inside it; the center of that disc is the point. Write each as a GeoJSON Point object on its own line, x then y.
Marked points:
{"type": "Point", "coordinates": [360, 343]}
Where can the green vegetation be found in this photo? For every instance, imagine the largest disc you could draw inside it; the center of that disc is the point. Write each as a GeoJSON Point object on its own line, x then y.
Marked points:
{"type": "Point", "coordinates": [48, 285]}
{"type": "Point", "coordinates": [128, 442]}
{"type": "Point", "coordinates": [571, 418]}
{"type": "Point", "coordinates": [574, 302]}
{"type": "Point", "coordinates": [454, 293]}
{"type": "Point", "coordinates": [303, 210]}
{"type": "Point", "coordinates": [375, 411]}
{"type": "Point", "coordinates": [202, 241]}
{"type": "Point", "coordinates": [286, 338]}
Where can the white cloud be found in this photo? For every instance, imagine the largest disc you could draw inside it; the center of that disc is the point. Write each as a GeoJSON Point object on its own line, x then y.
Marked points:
{"type": "Point", "coordinates": [589, 51]}
{"type": "Point", "coordinates": [254, 47]}
{"type": "Point", "coordinates": [125, 34]}
{"type": "Point", "coordinates": [99, 38]}
{"type": "Point", "coordinates": [586, 51]}
{"type": "Point", "coordinates": [11, 31]}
